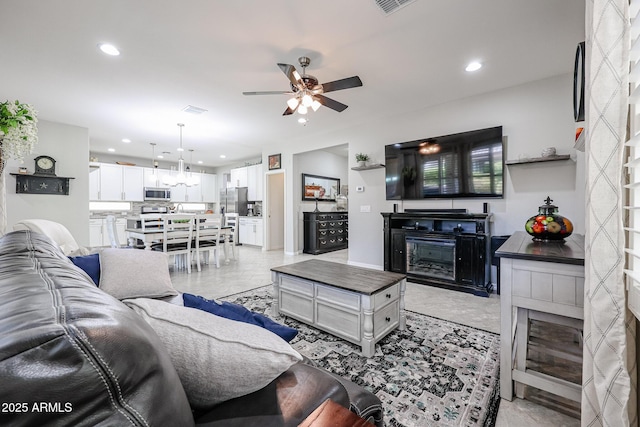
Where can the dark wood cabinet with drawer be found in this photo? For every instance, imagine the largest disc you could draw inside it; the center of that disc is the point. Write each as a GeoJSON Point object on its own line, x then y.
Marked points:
{"type": "Point", "coordinates": [325, 232]}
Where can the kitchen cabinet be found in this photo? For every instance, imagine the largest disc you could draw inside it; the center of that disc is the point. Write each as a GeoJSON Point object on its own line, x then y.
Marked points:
{"type": "Point", "coordinates": [95, 233]}
{"type": "Point", "coordinates": [254, 182]}
{"type": "Point", "coordinates": [239, 177]}
{"type": "Point", "coordinates": [250, 231]}
{"type": "Point", "coordinates": [209, 188]}
{"type": "Point", "coordinates": [154, 177]}
{"type": "Point", "coordinates": [116, 182]}
{"type": "Point", "coordinates": [204, 192]}
{"type": "Point", "coordinates": [250, 177]}
{"type": "Point", "coordinates": [98, 235]}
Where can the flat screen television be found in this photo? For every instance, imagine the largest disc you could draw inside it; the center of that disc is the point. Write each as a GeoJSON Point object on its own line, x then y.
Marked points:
{"type": "Point", "coordinates": [461, 165]}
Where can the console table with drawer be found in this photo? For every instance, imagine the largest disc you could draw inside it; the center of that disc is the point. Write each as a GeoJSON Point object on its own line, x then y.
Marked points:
{"type": "Point", "coordinates": [359, 305]}
{"type": "Point", "coordinates": [325, 232]}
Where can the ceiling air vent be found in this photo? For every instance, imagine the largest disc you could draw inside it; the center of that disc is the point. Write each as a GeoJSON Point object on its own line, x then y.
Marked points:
{"type": "Point", "coordinates": [193, 110]}
{"type": "Point", "coordinates": [390, 6]}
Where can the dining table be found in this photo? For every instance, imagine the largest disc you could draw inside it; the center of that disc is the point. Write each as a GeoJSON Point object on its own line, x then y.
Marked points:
{"type": "Point", "coordinates": [150, 236]}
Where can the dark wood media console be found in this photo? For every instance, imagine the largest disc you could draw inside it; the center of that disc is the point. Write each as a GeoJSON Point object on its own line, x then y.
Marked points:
{"type": "Point", "coordinates": [449, 249]}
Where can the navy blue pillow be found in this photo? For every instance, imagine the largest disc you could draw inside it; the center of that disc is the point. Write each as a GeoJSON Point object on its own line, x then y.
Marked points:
{"type": "Point", "coordinates": [237, 312]}
{"type": "Point", "coordinates": [90, 264]}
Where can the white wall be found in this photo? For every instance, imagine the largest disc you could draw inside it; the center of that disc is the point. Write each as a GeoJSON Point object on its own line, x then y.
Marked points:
{"type": "Point", "coordinates": [319, 163]}
{"type": "Point", "coordinates": [69, 146]}
{"type": "Point", "coordinates": [534, 116]}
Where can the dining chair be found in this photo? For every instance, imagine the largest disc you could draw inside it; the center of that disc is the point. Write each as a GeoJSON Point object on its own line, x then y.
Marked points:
{"type": "Point", "coordinates": [150, 221]}
{"type": "Point", "coordinates": [231, 237]}
{"type": "Point", "coordinates": [177, 235]}
{"type": "Point", "coordinates": [112, 232]}
{"type": "Point", "coordinates": [208, 238]}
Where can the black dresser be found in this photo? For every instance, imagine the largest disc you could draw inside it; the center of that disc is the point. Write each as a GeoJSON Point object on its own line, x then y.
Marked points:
{"type": "Point", "coordinates": [325, 232]}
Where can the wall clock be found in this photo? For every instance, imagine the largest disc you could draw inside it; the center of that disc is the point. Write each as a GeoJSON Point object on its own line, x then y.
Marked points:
{"type": "Point", "coordinates": [578, 84]}
{"type": "Point", "coordinates": [45, 165]}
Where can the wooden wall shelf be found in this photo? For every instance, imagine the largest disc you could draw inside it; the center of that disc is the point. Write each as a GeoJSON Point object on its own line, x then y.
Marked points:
{"type": "Point", "coordinates": [42, 184]}
{"type": "Point", "coordinates": [538, 160]}
{"type": "Point", "coordinates": [368, 167]}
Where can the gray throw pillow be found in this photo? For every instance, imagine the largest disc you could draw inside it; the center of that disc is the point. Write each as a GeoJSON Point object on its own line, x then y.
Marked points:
{"type": "Point", "coordinates": [217, 359]}
{"type": "Point", "coordinates": [132, 273]}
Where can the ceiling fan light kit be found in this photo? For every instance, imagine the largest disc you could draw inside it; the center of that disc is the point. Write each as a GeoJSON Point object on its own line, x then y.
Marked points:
{"type": "Point", "coordinates": [307, 92]}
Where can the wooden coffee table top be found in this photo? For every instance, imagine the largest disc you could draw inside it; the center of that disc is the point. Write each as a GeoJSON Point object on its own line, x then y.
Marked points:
{"type": "Point", "coordinates": [357, 279]}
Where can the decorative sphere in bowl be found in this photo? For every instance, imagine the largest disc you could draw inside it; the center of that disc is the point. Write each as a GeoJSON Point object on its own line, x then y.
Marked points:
{"type": "Point", "coordinates": [548, 224]}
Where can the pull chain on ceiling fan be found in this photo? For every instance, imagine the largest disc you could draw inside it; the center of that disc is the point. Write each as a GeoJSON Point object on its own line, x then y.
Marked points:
{"type": "Point", "coordinates": [307, 92]}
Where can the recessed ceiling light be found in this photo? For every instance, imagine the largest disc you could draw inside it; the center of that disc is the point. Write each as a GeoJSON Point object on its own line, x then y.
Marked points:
{"type": "Point", "coordinates": [109, 49]}
{"type": "Point", "coordinates": [200, 162]}
{"type": "Point", "coordinates": [222, 156]}
{"type": "Point", "coordinates": [111, 150]}
{"type": "Point", "coordinates": [302, 120]}
{"type": "Point", "coordinates": [126, 140]}
{"type": "Point", "coordinates": [160, 156]}
{"type": "Point", "coordinates": [473, 66]}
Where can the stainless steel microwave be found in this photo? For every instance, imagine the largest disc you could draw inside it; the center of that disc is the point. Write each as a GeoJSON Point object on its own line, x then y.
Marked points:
{"type": "Point", "coordinates": [152, 193]}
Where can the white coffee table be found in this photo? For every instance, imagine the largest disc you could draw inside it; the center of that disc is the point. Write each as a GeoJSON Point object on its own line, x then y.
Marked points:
{"type": "Point", "coordinates": [357, 304]}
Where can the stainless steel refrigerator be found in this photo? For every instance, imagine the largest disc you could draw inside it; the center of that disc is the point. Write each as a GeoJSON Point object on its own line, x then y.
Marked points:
{"type": "Point", "coordinates": [234, 200]}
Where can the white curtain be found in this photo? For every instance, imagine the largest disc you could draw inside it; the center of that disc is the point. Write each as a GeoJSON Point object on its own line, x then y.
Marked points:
{"type": "Point", "coordinates": [608, 391]}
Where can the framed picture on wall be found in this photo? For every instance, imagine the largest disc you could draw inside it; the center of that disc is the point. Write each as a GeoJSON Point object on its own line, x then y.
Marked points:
{"type": "Point", "coordinates": [321, 188]}
{"type": "Point", "coordinates": [274, 161]}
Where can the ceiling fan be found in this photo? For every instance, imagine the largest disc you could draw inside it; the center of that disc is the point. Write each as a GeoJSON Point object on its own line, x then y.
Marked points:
{"type": "Point", "coordinates": [307, 92]}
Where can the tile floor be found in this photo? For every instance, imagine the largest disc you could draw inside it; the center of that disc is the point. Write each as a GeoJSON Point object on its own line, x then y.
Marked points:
{"type": "Point", "coordinates": [251, 269]}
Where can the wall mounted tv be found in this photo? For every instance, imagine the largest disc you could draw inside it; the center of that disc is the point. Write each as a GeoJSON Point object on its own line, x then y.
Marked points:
{"type": "Point", "coordinates": [462, 165]}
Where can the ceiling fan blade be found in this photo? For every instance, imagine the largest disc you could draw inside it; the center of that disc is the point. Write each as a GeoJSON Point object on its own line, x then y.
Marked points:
{"type": "Point", "coordinates": [347, 83]}
{"type": "Point", "coordinates": [270, 92]}
{"type": "Point", "coordinates": [330, 103]}
{"type": "Point", "coordinates": [291, 73]}
{"type": "Point", "coordinates": [288, 112]}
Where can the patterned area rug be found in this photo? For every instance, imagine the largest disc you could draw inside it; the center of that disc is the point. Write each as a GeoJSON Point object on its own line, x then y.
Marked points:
{"type": "Point", "coordinates": [434, 373]}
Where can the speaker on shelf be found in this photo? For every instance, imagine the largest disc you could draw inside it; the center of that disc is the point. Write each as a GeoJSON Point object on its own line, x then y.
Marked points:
{"type": "Point", "coordinates": [485, 207]}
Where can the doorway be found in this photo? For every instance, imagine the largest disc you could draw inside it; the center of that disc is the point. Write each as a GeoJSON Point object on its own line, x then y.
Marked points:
{"type": "Point", "coordinates": [274, 211]}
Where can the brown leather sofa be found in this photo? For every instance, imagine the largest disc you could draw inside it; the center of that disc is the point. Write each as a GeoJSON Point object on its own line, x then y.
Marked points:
{"type": "Point", "coordinates": [70, 354]}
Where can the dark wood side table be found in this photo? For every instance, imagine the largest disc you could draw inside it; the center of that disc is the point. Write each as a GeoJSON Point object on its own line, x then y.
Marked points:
{"type": "Point", "coordinates": [330, 414]}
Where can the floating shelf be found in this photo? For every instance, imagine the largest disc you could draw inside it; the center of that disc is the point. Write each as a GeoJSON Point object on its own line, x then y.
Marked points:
{"type": "Point", "coordinates": [365, 168]}
{"type": "Point", "coordinates": [538, 159]}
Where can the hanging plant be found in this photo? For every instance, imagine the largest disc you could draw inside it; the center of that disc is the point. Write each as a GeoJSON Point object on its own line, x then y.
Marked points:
{"type": "Point", "coordinates": [18, 130]}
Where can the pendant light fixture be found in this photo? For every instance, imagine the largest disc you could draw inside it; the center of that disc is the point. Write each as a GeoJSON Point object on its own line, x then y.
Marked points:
{"type": "Point", "coordinates": [191, 178]}
{"type": "Point", "coordinates": [153, 177]}
{"type": "Point", "coordinates": [181, 177]}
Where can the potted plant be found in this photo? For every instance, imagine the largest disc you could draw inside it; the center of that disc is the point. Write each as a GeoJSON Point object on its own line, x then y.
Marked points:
{"type": "Point", "coordinates": [18, 135]}
{"type": "Point", "coordinates": [362, 159]}
{"type": "Point", "coordinates": [18, 129]}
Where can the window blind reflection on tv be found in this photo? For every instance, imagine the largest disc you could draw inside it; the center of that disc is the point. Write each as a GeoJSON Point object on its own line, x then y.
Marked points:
{"type": "Point", "coordinates": [461, 165]}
